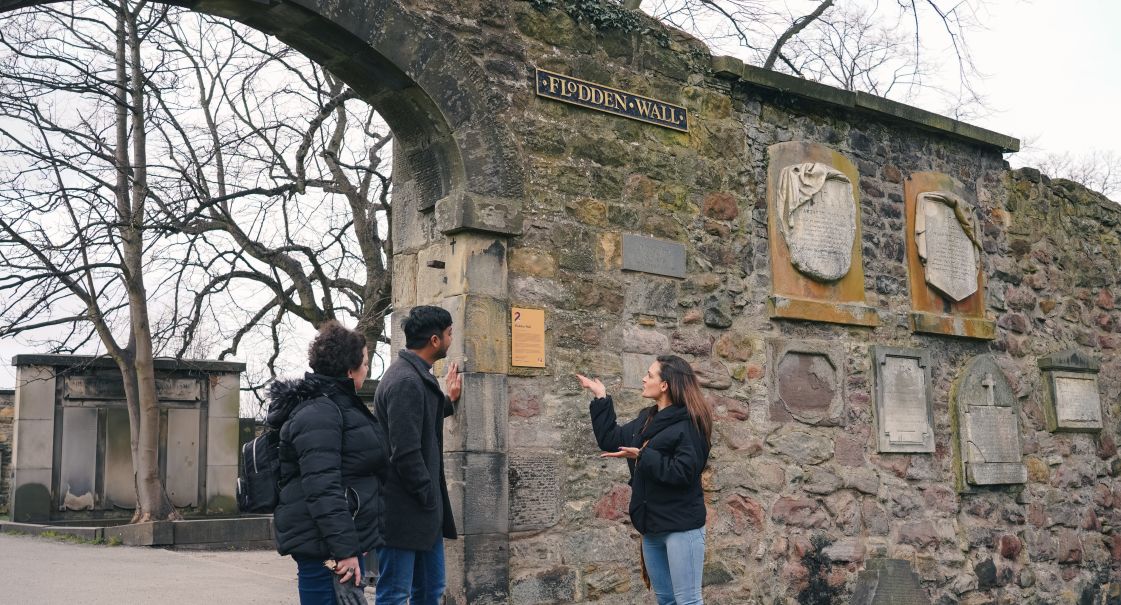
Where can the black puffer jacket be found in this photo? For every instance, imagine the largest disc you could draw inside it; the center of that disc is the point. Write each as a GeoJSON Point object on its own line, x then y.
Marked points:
{"type": "Point", "coordinates": [666, 493]}
{"type": "Point", "coordinates": [332, 450]}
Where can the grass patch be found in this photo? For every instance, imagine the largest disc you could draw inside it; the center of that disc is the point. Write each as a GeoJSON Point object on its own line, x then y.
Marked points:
{"type": "Point", "coordinates": [69, 538]}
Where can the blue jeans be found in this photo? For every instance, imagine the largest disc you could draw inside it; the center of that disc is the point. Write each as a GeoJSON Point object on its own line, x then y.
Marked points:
{"type": "Point", "coordinates": [411, 576]}
{"type": "Point", "coordinates": [675, 563]}
{"type": "Point", "coordinates": [314, 580]}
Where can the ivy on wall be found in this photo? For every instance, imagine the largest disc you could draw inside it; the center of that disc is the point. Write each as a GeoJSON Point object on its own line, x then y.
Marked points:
{"type": "Point", "coordinates": [605, 16]}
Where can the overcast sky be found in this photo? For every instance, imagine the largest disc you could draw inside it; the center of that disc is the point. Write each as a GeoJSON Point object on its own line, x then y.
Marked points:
{"type": "Point", "coordinates": [1052, 79]}
{"type": "Point", "coordinates": [1052, 73]}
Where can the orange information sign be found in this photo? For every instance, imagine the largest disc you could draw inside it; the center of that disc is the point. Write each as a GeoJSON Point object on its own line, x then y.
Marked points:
{"type": "Point", "coordinates": [527, 337]}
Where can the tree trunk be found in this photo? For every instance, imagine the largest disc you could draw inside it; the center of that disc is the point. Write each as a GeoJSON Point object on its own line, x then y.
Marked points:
{"type": "Point", "coordinates": [137, 368]}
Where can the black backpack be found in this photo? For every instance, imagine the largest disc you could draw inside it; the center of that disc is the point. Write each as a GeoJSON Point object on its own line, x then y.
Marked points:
{"type": "Point", "coordinates": [258, 487]}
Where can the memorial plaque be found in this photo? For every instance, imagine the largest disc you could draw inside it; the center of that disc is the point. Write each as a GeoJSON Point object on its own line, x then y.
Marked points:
{"type": "Point", "coordinates": [805, 381]}
{"type": "Point", "coordinates": [535, 491]}
{"type": "Point", "coordinates": [947, 243]}
{"type": "Point", "coordinates": [814, 234]}
{"type": "Point", "coordinates": [888, 582]}
{"type": "Point", "coordinates": [904, 406]}
{"type": "Point", "coordinates": [988, 447]}
{"type": "Point", "coordinates": [945, 274]}
{"type": "Point", "coordinates": [76, 481]}
{"type": "Point", "coordinates": [527, 337]}
{"type": "Point", "coordinates": [817, 219]}
{"type": "Point", "coordinates": [1072, 401]}
{"type": "Point", "coordinates": [651, 255]}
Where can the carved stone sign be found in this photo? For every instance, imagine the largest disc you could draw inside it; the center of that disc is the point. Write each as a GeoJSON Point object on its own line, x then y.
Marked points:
{"type": "Point", "coordinates": [535, 491]}
{"type": "Point", "coordinates": [1072, 401]}
{"type": "Point", "coordinates": [945, 273]}
{"type": "Point", "coordinates": [947, 243]}
{"type": "Point", "coordinates": [817, 219]}
{"type": "Point", "coordinates": [814, 229]}
{"type": "Point", "coordinates": [651, 255]}
{"type": "Point", "coordinates": [805, 381]}
{"type": "Point", "coordinates": [904, 407]}
{"type": "Point", "coordinates": [988, 447]}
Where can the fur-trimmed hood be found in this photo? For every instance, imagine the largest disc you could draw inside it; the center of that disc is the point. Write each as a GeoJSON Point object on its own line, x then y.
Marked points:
{"type": "Point", "coordinates": [285, 395]}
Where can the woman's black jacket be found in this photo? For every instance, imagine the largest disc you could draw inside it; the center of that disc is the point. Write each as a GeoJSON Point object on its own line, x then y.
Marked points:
{"type": "Point", "coordinates": [332, 450]}
{"type": "Point", "coordinates": [666, 494]}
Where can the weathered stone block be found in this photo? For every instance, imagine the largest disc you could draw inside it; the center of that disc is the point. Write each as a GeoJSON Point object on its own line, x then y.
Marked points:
{"type": "Point", "coordinates": [651, 296]}
{"type": "Point", "coordinates": [463, 211]}
{"type": "Point", "coordinates": [221, 441]}
{"type": "Point", "coordinates": [405, 271]}
{"type": "Point", "coordinates": [225, 396]}
{"type": "Point", "coordinates": [554, 585]}
{"type": "Point", "coordinates": [221, 489]}
{"type": "Point", "coordinates": [35, 393]}
{"type": "Point", "coordinates": [481, 416]}
{"type": "Point", "coordinates": [478, 488]}
{"type": "Point", "coordinates": [634, 369]}
{"type": "Point", "coordinates": [481, 334]}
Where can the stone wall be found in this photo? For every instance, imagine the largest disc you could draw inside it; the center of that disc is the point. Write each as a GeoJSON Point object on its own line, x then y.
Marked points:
{"type": "Point", "coordinates": [781, 493]}
{"type": "Point", "coordinates": [7, 411]}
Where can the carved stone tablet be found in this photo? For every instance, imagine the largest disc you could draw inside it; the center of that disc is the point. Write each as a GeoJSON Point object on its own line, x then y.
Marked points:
{"type": "Point", "coordinates": [988, 444]}
{"type": "Point", "coordinates": [944, 269]}
{"type": "Point", "coordinates": [814, 236]}
{"type": "Point", "coordinates": [888, 582]}
{"type": "Point", "coordinates": [818, 219]}
{"type": "Point", "coordinates": [947, 243]}
{"type": "Point", "coordinates": [651, 255]}
{"type": "Point", "coordinates": [534, 491]}
{"type": "Point", "coordinates": [1072, 401]}
{"type": "Point", "coordinates": [904, 408]}
{"type": "Point", "coordinates": [805, 381]}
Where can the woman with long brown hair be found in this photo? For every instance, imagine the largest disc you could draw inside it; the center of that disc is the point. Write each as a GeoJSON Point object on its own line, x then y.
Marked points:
{"type": "Point", "coordinates": [666, 448]}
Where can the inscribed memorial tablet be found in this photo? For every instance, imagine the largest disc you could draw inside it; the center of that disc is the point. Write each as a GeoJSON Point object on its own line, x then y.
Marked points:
{"type": "Point", "coordinates": [904, 416]}
{"type": "Point", "coordinates": [1072, 401]}
{"type": "Point", "coordinates": [651, 255]}
{"type": "Point", "coordinates": [987, 447]}
{"type": "Point", "coordinates": [947, 244]}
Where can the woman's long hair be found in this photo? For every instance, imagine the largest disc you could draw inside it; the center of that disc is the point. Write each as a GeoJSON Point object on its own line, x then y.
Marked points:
{"type": "Point", "coordinates": [685, 390]}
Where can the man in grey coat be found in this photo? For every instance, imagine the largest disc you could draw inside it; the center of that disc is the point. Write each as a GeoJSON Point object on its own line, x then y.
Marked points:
{"type": "Point", "coordinates": [418, 516]}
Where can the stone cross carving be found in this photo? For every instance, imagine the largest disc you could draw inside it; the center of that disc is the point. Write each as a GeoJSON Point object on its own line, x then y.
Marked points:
{"type": "Point", "coordinates": [988, 447]}
{"type": "Point", "coordinates": [989, 385]}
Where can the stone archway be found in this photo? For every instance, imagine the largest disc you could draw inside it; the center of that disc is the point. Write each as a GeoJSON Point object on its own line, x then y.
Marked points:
{"type": "Point", "coordinates": [458, 195]}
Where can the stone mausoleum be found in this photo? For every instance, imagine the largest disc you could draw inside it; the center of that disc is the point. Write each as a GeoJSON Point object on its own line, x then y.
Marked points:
{"type": "Point", "coordinates": [72, 459]}
{"type": "Point", "coordinates": [911, 349]}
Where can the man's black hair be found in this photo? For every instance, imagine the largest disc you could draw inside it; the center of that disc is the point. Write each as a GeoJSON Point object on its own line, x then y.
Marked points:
{"type": "Point", "coordinates": [422, 323]}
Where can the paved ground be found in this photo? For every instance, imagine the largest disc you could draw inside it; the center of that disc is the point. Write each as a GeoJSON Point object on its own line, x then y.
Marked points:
{"type": "Point", "coordinates": [46, 571]}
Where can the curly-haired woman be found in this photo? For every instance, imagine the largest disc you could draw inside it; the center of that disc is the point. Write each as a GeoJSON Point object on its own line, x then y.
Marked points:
{"type": "Point", "coordinates": [666, 449]}
{"type": "Point", "coordinates": [332, 450]}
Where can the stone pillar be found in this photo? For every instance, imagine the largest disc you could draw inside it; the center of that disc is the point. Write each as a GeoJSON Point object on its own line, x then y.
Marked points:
{"type": "Point", "coordinates": [453, 254]}
{"type": "Point", "coordinates": [33, 447]}
{"type": "Point", "coordinates": [222, 443]}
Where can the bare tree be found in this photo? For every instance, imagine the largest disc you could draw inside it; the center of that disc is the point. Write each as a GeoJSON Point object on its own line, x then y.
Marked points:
{"type": "Point", "coordinates": [73, 221]}
{"type": "Point", "coordinates": [166, 175]}
{"type": "Point", "coordinates": [313, 139]}
{"type": "Point", "coordinates": [1095, 169]}
{"type": "Point", "coordinates": [855, 46]}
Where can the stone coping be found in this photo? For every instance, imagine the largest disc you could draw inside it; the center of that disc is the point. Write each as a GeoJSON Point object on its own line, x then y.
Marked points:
{"type": "Point", "coordinates": [69, 361]}
{"type": "Point", "coordinates": [731, 68]}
